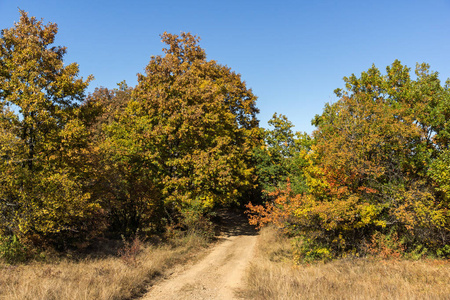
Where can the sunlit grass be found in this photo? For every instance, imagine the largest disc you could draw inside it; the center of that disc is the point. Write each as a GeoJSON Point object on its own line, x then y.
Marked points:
{"type": "Point", "coordinates": [101, 278]}
{"type": "Point", "coordinates": [273, 276]}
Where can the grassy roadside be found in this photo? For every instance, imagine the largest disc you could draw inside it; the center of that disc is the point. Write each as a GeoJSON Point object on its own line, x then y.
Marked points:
{"type": "Point", "coordinates": [115, 277]}
{"type": "Point", "coordinates": [273, 276]}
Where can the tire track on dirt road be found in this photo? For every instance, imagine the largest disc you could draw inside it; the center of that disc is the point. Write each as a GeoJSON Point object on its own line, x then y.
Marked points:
{"type": "Point", "coordinates": [217, 276]}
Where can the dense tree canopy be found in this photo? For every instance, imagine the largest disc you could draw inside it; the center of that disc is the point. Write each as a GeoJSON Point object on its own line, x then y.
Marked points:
{"type": "Point", "coordinates": [125, 158]}
{"type": "Point", "coordinates": [374, 150]}
{"type": "Point", "coordinates": [118, 178]}
{"type": "Point", "coordinates": [40, 134]}
{"type": "Point", "coordinates": [192, 124]}
{"type": "Point", "coordinates": [281, 155]}
{"type": "Point", "coordinates": [378, 165]}
{"type": "Point", "coordinates": [374, 176]}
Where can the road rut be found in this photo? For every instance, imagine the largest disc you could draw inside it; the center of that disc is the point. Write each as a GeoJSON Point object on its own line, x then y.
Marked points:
{"type": "Point", "coordinates": [217, 276]}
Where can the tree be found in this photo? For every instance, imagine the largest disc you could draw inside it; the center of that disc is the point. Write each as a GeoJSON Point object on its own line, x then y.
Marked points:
{"type": "Point", "coordinates": [280, 158]}
{"type": "Point", "coordinates": [120, 181]}
{"type": "Point", "coordinates": [39, 99]}
{"type": "Point", "coordinates": [191, 124]}
{"type": "Point", "coordinates": [377, 169]}
{"type": "Point", "coordinates": [375, 147]}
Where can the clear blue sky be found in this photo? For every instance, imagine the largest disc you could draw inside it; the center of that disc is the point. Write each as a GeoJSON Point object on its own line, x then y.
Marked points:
{"type": "Point", "coordinates": [293, 54]}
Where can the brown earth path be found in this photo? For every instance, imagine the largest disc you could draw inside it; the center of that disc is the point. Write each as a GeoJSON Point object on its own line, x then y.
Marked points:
{"type": "Point", "coordinates": [219, 275]}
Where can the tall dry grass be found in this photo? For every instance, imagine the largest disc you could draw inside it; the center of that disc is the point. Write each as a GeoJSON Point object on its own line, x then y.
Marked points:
{"type": "Point", "coordinates": [273, 275]}
{"type": "Point", "coordinates": [120, 277]}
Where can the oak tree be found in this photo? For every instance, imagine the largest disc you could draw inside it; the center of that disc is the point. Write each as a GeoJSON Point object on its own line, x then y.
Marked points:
{"type": "Point", "coordinates": [39, 98]}
{"type": "Point", "coordinates": [377, 172]}
{"type": "Point", "coordinates": [375, 147]}
{"type": "Point", "coordinates": [191, 124]}
{"type": "Point", "coordinates": [119, 180]}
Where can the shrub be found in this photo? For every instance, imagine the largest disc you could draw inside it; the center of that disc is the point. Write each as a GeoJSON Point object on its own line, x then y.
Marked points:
{"type": "Point", "coordinates": [386, 245]}
{"type": "Point", "coordinates": [196, 219]}
{"type": "Point", "coordinates": [309, 250]}
{"type": "Point", "coordinates": [12, 250]}
{"type": "Point", "coordinates": [130, 250]}
{"type": "Point", "coordinates": [444, 251]}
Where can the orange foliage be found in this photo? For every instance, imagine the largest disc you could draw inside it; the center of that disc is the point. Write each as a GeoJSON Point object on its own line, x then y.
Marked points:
{"type": "Point", "coordinates": [367, 169]}
{"type": "Point", "coordinates": [280, 212]}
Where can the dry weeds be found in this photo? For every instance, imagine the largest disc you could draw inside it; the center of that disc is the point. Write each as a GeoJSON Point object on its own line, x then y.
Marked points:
{"type": "Point", "coordinates": [107, 278]}
{"type": "Point", "coordinates": [274, 276]}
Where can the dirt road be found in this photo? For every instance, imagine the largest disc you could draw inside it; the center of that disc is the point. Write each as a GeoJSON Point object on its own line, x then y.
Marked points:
{"type": "Point", "coordinates": [217, 276]}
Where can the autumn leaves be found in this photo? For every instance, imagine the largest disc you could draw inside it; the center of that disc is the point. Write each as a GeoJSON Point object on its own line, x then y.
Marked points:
{"type": "Point", "coordinates": [376, 169]}
{"type": "Point", "coordinates": [186, 139]}
{"type": "Point", "coordinates": [118, 161]}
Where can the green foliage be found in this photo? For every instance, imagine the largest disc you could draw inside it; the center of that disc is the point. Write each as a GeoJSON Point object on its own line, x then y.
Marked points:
{"type": "Point", "coordinates": [12, 250]}
{"type": "Point", "coordinates": [196, 219]}
{"type": "Point", "coordinates": [281, 156]}
{"type": "Point", "coordinates": [377, 169]}
{"type": "Point", "coordinates": [375, 175]}
{"type": "Point", "coordinates": [190, 126]}
{"type": "Point", "coordinates": [41, 137]}
{"type": "Point", "coordinates": [35, 82]}
{"type": "Point", "coordinates": [439, 172]}
{"type": "Point", "coordinates": [444, 251]}
{"type": "Point", "coordinates": [120, 177]}
{"type": "Point", "coordinates": [308, 250]}
{"type": "Point", "coordinates": [375, 146]}
{"type": "Point", "coordinates": [418, 253]}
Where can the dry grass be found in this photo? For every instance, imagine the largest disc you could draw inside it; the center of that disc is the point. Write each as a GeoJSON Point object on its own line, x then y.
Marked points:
{"type": "Point", "coordinates": [274, 276]}
{"type": "Point", "coordinates": [107, 278]}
